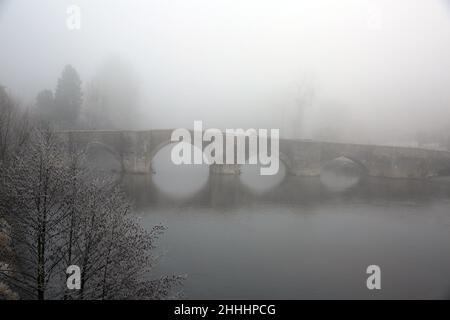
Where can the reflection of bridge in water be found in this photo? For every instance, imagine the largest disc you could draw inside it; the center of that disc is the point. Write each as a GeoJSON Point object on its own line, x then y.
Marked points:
{"type": "Point", "coordinates": [134, 150]}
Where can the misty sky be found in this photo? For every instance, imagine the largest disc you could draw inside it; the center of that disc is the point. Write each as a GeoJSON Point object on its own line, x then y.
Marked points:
{"type": "Point", "coordinates": [378, 69]}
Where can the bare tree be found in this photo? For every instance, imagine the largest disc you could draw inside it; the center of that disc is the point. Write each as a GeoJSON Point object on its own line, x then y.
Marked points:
{"type": "Point", "coordinates": [114, 252]}
{"type": "Point", "coordinates": [14, 129]}
{"type": "Point", "coordinates": [63, 214]}
{"type": "Point", "coordinates": [6, 260]}
{"type": "Point", "coordinates": [33, 189]}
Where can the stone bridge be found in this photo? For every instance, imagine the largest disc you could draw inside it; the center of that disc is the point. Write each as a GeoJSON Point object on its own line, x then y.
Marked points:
{"type": "Point", "coordinates": [134, 151]}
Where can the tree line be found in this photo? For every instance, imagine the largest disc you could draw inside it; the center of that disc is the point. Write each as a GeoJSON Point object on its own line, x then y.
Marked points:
{"type": "Point", "coordinates": [109, 100]}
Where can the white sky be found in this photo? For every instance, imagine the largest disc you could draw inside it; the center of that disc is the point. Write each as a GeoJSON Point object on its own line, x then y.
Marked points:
{"type": "Point", "coordinates": [377, 66]}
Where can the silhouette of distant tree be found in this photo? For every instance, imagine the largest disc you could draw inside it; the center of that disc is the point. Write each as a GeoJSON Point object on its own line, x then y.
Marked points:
{"type": "Point", "coordinates": [45, 105]}
{"type": "Point", "coordinates": [13, 126]}
{"type": "Point", "coordinates": [68, 97]}
{"type": "Point", "coordinates": [112, 97]}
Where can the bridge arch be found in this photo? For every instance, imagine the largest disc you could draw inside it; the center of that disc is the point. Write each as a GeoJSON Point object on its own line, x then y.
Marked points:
{"type": "Point", "coordinates": [361, 165]}
{"type": "Point", "coordinates": [96, 146]}
{"type": "Point", "coordinates": [160, 147]}
{"type": "Point", "coordinates": [342, 173]}
{"type": "Point", "coordinates": [288, 163]}
{"type": "Point", "coordinates": [351, 160]}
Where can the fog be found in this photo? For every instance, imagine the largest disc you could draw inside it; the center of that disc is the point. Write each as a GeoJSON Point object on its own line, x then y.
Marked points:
{"type": "Point", "coordinates": [350, 70]}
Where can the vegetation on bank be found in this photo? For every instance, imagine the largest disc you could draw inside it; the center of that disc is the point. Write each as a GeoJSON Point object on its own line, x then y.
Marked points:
{"type": "Point", "coordinates": [55, 212]}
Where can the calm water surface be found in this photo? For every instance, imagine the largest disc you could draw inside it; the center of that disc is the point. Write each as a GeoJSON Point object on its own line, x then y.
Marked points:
{"type": "Point", "coordinates": [295, 237]}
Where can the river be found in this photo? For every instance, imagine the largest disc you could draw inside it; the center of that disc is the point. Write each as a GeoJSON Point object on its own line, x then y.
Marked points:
{"type": "Point", "coordinates": [290, 237]}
